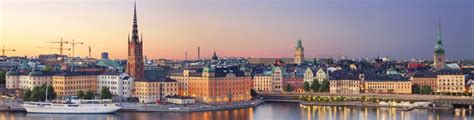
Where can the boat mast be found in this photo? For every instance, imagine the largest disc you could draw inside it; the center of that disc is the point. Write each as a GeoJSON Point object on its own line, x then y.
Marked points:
{"type": "Point", "coordinates": [47, 86]}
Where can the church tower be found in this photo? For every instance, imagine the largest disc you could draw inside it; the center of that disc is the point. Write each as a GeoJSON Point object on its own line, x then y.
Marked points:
{"type": "Point", "coordinates": [299, 53]}
{"type": "Point", "coordinates": [439, 58]}
{"type": "Point", "coordinates": [135, 65]}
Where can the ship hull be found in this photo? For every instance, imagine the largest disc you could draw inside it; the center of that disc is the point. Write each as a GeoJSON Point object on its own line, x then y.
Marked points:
{"type": "Point", "coordinates": [65, 109]}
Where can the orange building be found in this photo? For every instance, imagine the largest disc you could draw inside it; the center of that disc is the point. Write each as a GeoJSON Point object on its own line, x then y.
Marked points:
{"type": "Point", "coordinates": [220, 84]}
{"type": "Point", "coordinates": [70, 83]}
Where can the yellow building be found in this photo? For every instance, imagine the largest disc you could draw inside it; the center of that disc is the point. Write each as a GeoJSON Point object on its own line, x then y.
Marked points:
{"type": "Point", "coordinates": [383, 84]}
{"type": "Point", "coordinates": [262, 83]}
{"type": "Point", "coordinates": [219, 84]}
{"type": "Point", "coordinates": [452, 81]}
{"type": "Point", "coordinates": [153, 91]}
{"type": "Point", "coordinates": [70, 83]}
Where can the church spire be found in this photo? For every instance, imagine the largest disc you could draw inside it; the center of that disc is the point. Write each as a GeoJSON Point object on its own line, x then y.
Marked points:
{"type": "Point", "coordinates": [135, 37]}
{"type": "Point", "coordinates": [439, 43]}
{"type": "Point", "coordinates": [298, 44]}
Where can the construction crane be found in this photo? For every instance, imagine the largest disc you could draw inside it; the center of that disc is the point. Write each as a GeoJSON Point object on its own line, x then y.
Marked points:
{"type": "Point", "coordinates": [4, 50]}
{"type": "Point", "coordinates": [73, 44]}
{"type": "Point", "coordinates": [60, 49]}
{"type": "Point", "coordinates": [61, 43]}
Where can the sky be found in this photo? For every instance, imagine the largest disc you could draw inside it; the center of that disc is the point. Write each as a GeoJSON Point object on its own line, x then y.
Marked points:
{"type": "Point", "coordinates": [399, 29]}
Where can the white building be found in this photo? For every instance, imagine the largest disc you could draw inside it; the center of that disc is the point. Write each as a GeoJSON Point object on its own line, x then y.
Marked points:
{"type": "Point", "coordinates": [119, 84]}
{"type": "Point", "coordinates": [321, 75]}
{"type": "Point", "coordinates": [309, 75]}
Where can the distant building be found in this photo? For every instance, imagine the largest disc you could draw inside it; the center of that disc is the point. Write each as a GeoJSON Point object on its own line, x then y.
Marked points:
{"type": "Point", "coordinates": [104, 56]}
{"type": "Point", "coordinates": [299, 53]}
{"type": "Point", "coordinates": [452, 81]}
{"type": "Point", "coordinates": [439, 58]}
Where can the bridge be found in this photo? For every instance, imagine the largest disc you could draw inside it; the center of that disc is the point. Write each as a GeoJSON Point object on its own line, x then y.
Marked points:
{"type": "Point", "coordinates": [437, 100]}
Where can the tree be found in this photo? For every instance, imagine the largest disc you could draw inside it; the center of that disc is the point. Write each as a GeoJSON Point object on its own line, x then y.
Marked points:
{"type": "Point", "coordinates": [35, 94]}
{"type": "Point", "coordinates": [48, 68]}
{"type": "Point", "coordinates": [324, 86]}
{"type": "Point", "coordinates": [315, 86]}
{"type": "Point", "coordinates": [105, 93]}
{"type": "Point", "coordinates": [415, 89]}
{"type": "Point", "coordinates": [426, 89]}
{"type": "Point", "coordinates": [39, 93]}
{"type": "Point", "coordinates": [253, 93]}
{"type": "Point", "coordinates": [80, 94]}
{"type": "Point", "coordinates": [89, 95]}
{"type": "Point", "coordinates": [306, 86]}
{"type": "Point", "coordinates": [26, 95]}
{"type": "Point", "coordinates": [2, 77]}
{"type": "Point", "coordinates": [288, 88]}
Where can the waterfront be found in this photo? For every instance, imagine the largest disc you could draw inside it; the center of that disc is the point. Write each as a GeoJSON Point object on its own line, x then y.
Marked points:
{"type": "Point", "coordinates": [266, 111]}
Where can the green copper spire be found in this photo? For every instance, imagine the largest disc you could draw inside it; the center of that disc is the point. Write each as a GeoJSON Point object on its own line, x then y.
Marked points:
{"type": "Point", "coordinates": [298, 44]}
{"type": "Point", "coordinates": [439, 44]}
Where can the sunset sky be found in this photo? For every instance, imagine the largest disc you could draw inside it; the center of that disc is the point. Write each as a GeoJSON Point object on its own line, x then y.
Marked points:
{"type": "Point", "coordinates": [400, 29]}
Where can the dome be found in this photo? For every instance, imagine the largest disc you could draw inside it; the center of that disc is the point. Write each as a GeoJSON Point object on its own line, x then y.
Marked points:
{"type": "Point", "coordinates": [208, 69]}
{"type": "Point", "coordinates": [35, 72]}
{"type": "Point", "coordinates": [12, 72]}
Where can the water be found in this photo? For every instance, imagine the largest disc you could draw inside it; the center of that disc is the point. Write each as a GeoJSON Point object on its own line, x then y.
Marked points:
{"type": "Point", "coordinates": [266, 111]}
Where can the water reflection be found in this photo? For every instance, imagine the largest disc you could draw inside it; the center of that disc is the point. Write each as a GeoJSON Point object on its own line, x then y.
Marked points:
{"type": "Point", "coordinates": [267, 111]}
{"type": "Point", "coordinates": [370, 113]}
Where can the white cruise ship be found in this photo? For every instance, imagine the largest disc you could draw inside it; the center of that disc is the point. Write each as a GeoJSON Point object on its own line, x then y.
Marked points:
{"type": "Point", "coordinates": [72, 106]}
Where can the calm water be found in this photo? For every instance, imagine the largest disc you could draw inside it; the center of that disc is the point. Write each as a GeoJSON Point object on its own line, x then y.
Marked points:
{"type": "Point", "coordinates": [267, 111]}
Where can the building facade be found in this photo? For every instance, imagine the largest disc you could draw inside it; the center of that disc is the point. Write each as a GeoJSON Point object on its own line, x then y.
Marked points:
{"type": "Point", "coordinates": [17, 80]}
{"type": "Point", "coordinates": [387, 85]}
{"type": "Point", "coordinates": [347, 84]}
{"type": "Point", "coordinates": [119, 84]}
{"type": "Point", "coordinates": [220, 84]}
{"type": "Point", "coordinates": [154, 91]}
{"type": "Point", "coordinates": [262, 83]}
{"type": "Point", "coordinates": [425, 78]}
{"type": "Point", "coordinates": [70, 83]}
{"type": "Point", "coordinates": [451, 81]}
{"type": "Point", "coordinates": [309, 75]}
